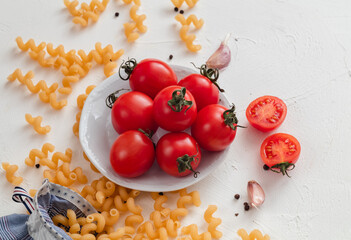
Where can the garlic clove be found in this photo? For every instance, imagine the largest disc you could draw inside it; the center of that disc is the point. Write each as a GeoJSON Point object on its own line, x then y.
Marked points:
{"type": "Point", "coordinates": [221, 57]}
{"type": "Point", "coordinates": [255, 193]}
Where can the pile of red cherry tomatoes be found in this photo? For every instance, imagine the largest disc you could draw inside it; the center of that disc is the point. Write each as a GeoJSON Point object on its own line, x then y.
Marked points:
{"type": "Point", "coordinates": [157, 100]}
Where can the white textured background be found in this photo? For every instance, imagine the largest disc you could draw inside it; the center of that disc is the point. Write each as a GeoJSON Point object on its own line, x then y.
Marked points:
{"type": "Point", "coordinates": [297, 50]}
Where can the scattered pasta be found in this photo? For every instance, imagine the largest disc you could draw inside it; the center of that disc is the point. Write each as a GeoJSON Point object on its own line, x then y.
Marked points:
{"type": "Point", "coordinates": [188, 39]}
{"type": "Point", "coordinates": [212, 221]}
{"type": "Point", "coordinates": [198, 23]}
{"type": "Point", "coordinates": [254, 235]}
{"type": "Point", "coordinates": [10, 174]}
{"type": "Point", "coordinates": [37, 153]}
{"type": "Point", "coordinates": [36, 123]}
{"type": "Point", "coordinates": [179, 3]}
{"type": "Point", "coordinates": [131, 29]}
{"type": "Point", "coordinates": [87, 11]}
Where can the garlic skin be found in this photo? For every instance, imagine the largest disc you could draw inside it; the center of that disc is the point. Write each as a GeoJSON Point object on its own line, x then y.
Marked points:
{"type": "Point", "coordinates": [255, 193]}
{"type": "Point", "coordinates": [221, 57]}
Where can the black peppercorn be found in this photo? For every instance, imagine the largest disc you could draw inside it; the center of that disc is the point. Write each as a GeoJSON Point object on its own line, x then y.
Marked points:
{"type": "Point", "coordinates": [116, 14]}
{"type": "Point", "coordinates": [181, 11]}
{"type": "Point", "coordinates": [247, 207]}
{"type": "Point", "coordinates": [170, 57]}
{"type": "Point", "coordinates": [236, 196]}
{"type": "Point", "coordinates": [265, 167]}
{"type": "Point", "coordinates": [160, 193]}
{"type": "Point", "coordinates": [176, 9]}
{"type": "Point", "coordinates": [37, 165]}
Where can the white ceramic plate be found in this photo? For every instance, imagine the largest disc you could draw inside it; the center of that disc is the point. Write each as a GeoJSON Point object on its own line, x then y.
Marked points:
{"type": "Point", "coordinates": [97, 135]}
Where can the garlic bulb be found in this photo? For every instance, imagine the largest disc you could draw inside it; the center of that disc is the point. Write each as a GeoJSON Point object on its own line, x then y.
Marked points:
{"type": "Point", "coordinates": [255, 193]}
{"type": "Point", "coordinates": [221, 57]}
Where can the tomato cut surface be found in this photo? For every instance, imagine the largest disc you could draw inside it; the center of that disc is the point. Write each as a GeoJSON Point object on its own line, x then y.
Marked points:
{"type": "Point", "coordinates": [266, 113]}
{"type": "Point", "coordinates": [280, 152]}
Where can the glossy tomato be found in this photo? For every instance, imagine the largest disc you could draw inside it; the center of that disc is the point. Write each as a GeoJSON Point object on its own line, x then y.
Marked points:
{"type": "Point", "coordinates": [202, 89]}
{"type": "Point", "coordinates": [174, 109]}
{"type": "Point", "coordinates": [149, 76]}
{"type": "Point", "coordinates": [178, 154]}
{"type": "Point", "coordinates": [215, 127]}
{"type": "Point", "coordinates": [280, 152]}
{"type": "Point", "coordinates": [132, 154]}
{"type": "Point", "coordinates": [266, 113]}
{"type": "Point", "coordinates": [133, 111]}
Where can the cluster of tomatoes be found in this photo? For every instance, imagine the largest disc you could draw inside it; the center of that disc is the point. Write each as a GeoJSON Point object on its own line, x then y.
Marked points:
{"type": "Point", "coordinates": [279, 151]}
{"type": "Point", "coordinates": [157, 100]}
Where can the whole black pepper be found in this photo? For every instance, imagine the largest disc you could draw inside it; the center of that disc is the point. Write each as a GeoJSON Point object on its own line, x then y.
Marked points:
{"type": "Point", "coordinates": [247, 207]}
{"type": "Point", "coordinates": [236, 214]}
{"type": "Point", "coordinates": [170, 57]}
{"type": "Point", "coordinates": [160, 193]}
{"type": "Point", "coordinates": [37, 165]}
{"type": "Point", "coordinates": [181, 11]}
{"type": "Point", "coordinates": [245, 203]}
{"type": "Point", "coordinates": [265, 167]}
{"type": "Point", "coordinates": [125, 202]}
{"type": "Point", "coordinates": [116, 14]}
{"type": "Point", "coordinates": [236, 196]}
{"type": "Point", "coordinates": [176, 9]}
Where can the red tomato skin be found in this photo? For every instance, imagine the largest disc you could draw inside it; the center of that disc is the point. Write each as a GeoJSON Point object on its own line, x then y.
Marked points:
{"type": "Point", "coordinates": [202, 89]}
{"type": "Point", "coordinates": [263, 124]}
{"type": "Point", "coordinates": [168, 119]}
{"type": "Point", "coordinates": [209, 129]}
{"type": "Point", "coordinates": [290, 158]}
{"type": "Point", "coordinates": [131, 111]}
{"type": "Point", "coordinates": [132, 154]}
{"type": "Point", "coordinates": [151, 76]}
{"type": "Point", "coordinates": [174, 145]}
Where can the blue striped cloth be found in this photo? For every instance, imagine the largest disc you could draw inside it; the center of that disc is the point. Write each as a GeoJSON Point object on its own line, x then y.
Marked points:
{"type": "Point", "coordinates": [50, 201]}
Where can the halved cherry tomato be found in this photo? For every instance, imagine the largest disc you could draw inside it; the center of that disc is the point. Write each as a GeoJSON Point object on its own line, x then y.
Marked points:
{"type": "Point", "coordinates": [215, 127]}
{"type": "Point", "coordinates": [280, 152]}
{"type": "Point", "coordinates": [174, 109]}
{"type": "Point", "coordinates": [133, 111]}
{"type": "Point", "coordinates": [266, 113]}
{"type": "Point", "coordinates": [178, 154]}
{"type": "Point", "coordinates": [202, 89]}
{"type": "Point", "coordinates": [149, 76]}
{"type": "Point", "coordinates": [132, 154]}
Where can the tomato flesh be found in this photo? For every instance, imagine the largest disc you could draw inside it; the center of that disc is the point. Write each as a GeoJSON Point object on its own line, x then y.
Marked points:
{"type": "Point", "coordinates": [132, 154]}
{"type": "Point", "coordinates": [266, 113]}
{"type": "Point", "coordinates": [280, 148]}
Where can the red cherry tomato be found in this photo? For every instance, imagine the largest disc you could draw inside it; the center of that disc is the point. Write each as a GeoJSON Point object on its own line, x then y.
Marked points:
{"type": "Point", "coordinates": [202, 89]}
{"type": "Point", "coordinates": [132, 154]}
{"type": "Point", "coordinates": [133, 111]}
{"type": "Point", "coordinates": [266, 113]}
{"type": "Point", "coordinates": [215, 127]}
{"type": "Point", "coordinates": [280, 152]}
{"type": "Point", "coordinates": [178, 154]}
{"type": "Point", "coordinates": [149, 76]}
{"type": "Point", "coordinates": [174, 109]}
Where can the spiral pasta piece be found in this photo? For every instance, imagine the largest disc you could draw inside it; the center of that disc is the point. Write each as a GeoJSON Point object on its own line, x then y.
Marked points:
{"type": "Point", "coordinates": [138, 19]}
{"type": "Point", "coordinates": [36, 123]}
{"type": "Point", "coordinates": [188, 39]}
{"type": "Point", "coordinates": [198, 23]}
{"type": "Point", "coordinates": [212, 222]}
{"type": "Point", "coordinates": [254, 235]}
{"type": "Point", "coordinates": [87, 11]}
{"type": "Point", "coordinates": [36, 153]}
{"type": "Point", "coordinates": [179, 3]}
{"type": "Point", "coordinates": [30, 44]}
{"type": "Point", "coordinates": [10, 173]}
